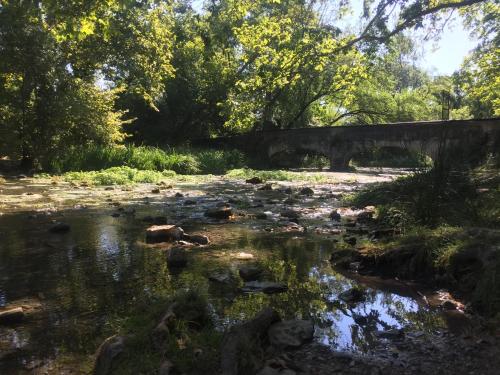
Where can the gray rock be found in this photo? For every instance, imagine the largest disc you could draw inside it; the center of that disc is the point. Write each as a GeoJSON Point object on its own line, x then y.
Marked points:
{"type": "Point", "coordinates": [219, 213]}
{"type": "Point", "coordinates": [197, 238]}
{"type": "Point", "coordinates": [290, 214]}
{"type": "Point", "coordinates": [335, 216]}
{"type": "Point", "coordinates": [177, 257]}
{"type": "Point", "coordinates": [266, 187]}
{"type": "Point", "coordinates": [254, 180]}
{"type": "Point", "coordinates": [223, 277]}
{"type": "Point", "coordinates": [291, 333]}
{"type": "Point", "coordinates": [261, 216]}
{"type": "Point", "coordinates": [306, 191]}
{"type": "Point", "coordinates": [9, 316]}
{"type": "Point", "coordinates": [250, 272]}
{"type": "Point", "coordinates": [267, 287]}
{"type": "Point", "coordinates": [108, 353]}
{"type": "Point", "coordinates": [164, 233]}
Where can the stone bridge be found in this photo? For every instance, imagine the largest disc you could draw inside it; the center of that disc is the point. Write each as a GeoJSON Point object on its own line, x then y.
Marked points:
{"type": "Point", "coordinates": [341, 143]}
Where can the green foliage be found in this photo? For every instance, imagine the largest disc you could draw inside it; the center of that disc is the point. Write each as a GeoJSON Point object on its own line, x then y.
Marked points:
{"type": "Point", "coordinates": [184, 161]}
{"type": "Point", "coordinates": [278, 175]}
{"type": "Point", "coordinates": [118, 176]}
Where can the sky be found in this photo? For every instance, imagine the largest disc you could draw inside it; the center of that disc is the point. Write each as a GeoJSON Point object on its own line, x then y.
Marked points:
{"type": "Point", "coordinates": [446, 56]}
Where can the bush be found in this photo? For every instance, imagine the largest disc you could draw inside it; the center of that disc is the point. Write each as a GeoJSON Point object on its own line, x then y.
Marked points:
{"type": "Point", "coordinates": [95, 158]}
{"type": "Point", "coordinates": [118, 176]}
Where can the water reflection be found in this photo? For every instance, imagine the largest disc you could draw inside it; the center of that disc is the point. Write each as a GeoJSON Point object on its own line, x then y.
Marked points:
{"type": "Point", "coordinates": [95, 273]}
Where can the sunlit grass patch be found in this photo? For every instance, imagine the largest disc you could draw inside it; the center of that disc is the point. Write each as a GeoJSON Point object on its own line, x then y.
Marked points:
{"type": "Point", "coordinates": [279, 175]}
{"type": "Point", "coordinates": [119, 176]}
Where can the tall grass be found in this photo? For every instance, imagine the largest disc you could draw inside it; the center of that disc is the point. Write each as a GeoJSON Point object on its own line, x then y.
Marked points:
{"type": "Point", "coordinates": [96, 158]}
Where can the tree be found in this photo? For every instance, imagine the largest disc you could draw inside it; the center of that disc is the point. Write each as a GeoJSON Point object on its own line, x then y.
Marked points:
{"type": "Point", "coordinates": [53, 53]}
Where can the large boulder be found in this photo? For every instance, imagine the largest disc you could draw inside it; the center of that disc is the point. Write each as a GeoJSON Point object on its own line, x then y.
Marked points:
{"type": "Point", "coordinates": [108, 353]}
{"type": "Point", "coordinates": [164, 233]}
{"type": "Point", "coordinates": [291, 333]}
{"type": "Point", "coordinates": [242, 344]}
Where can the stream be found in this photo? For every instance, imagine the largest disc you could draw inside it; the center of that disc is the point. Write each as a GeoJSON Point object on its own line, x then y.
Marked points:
{"type": "Point", "coordinates": [74, 286]}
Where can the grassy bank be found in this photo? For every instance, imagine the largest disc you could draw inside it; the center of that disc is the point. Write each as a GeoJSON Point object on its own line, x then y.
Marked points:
{"type": "Point", "coordinates": [145, 158]}
{"type": "Point", "coordinates": [447, 232]}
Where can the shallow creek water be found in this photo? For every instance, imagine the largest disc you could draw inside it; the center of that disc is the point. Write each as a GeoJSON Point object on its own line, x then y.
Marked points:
{"type": "Point", "coordinates": [75, 285]}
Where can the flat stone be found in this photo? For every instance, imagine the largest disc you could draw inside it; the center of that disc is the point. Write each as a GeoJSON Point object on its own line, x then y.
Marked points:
{"type": "Point", "coordinates": [14, 315]}
{"type": "Point", "coordinates": [244, 256]}
{"type": "Point", "coordinates": [219, 213]}
{"type": "Point", "coordinates": [254, 180]}
{"type": "Point", "coordinates": [290, 214]}
{"type": "Point", "coordinates": [291, 333]}
{"type": "Point", "coordinates": [268, 287]}
{"type": "Point", "coordinates": [266, 187]}
{"type": "Point", "coordinates": [223, 277]}
{"type": "Point", "coordinates": [197, 238]}
{"type": "Point", "coordinates": [164, 233]}
{"type": "Point", "coordinates": [306, 191]}
{"type": "Point", "coordinates": [60, 228]}
{"type": "Point", "coordinates": [250, 272]}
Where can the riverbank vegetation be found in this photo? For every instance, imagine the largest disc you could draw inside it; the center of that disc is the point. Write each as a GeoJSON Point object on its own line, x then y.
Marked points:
{"type": "Point", "coordinates": [446, 225]}
{"type": "Point", "coordinates": [161, 73]}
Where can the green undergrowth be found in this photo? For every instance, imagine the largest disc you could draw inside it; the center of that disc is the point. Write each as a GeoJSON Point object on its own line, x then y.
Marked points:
{"type": "Point", "coordinates": [118, 176]}
{"type": "Point", "coordinates": [279, 175]}
{"type": "Point", "coordinates": [183, 161]}
{"type": "Point", "coordinates": [448, 231]}
{"type": "Point", "coordinates": [464, 259]}
{"type": "Point", "coordinates": [191, 343]}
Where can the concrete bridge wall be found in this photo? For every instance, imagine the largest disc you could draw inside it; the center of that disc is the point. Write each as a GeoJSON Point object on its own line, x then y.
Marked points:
{"type": "Point", "coordinates": [341, 143]}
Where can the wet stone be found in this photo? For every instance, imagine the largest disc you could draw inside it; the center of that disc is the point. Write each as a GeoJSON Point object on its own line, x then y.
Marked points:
{"type": "Point", "coordinates": [261, 216]}
{"type": "Point", "coordinates": [290, 214]}
{"type": "Point", "coordinates": [250, 272]}
{"type": "Point", "coordinates": [266, 187]}
{"type": "Point", "coordinates": [267, 287]}
{"type": "Point", "coordinates": [223, 276]}
{"type": "Point", "coordinates": [291, 333]}
{"type": "Point", "coordinates": [335, 216]}
{"type": "Point", "coordinates": [164, 233]}
{"type": "Point", "coordinates": [197, 238]}
{"type": "Point", "coordinates": [219, 212]}
{"type": "Point", "coordinates": [254, 180]}
{"type": "Point", "coordinates": [306, 191]}
{"type": "Point", "coordinates": [11, 316]}
{"type": "Point", "coordinates": [155, 191]}
{"type": "Point", "coordinates": [189, 202]}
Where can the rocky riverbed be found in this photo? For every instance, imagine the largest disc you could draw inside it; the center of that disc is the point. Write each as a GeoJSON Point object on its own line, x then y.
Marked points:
{"type": "Point", "coordinates": [75, 260]}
